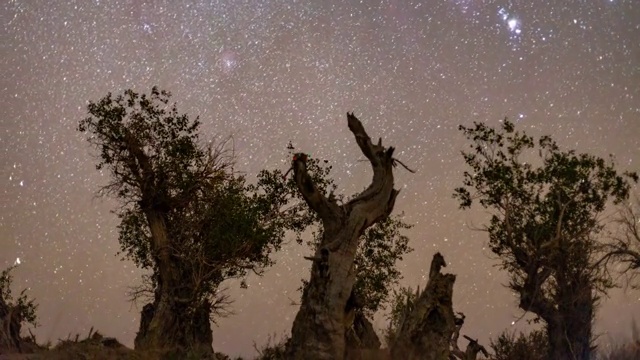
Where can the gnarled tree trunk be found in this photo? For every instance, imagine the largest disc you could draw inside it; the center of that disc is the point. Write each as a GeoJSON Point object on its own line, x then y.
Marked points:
{"type": "Point", "coordinates": [427, 329]}
{"type": "Point", "coordinates": [171, 322]}
{"type": "Point", "coordinates": [10, 324]}
{"type": "Point", "coordinates": [569, 314]}
{"type": "Point", "coordinates": [319, 327]}
{"type": "Point", "coordinates": [569, 327]}
{"type": "Point", "coordinates": [175, 331]}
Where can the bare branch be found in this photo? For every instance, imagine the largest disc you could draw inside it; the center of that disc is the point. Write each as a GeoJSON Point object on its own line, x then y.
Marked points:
{"type": "Point", "coordinates": [623, 249]}
{"type": "Point", "coordinates": [381, 160]}
{"type": "Point", "coordinates": [316, 200]}
{"type": "Point", "coordinates": [403, 165]}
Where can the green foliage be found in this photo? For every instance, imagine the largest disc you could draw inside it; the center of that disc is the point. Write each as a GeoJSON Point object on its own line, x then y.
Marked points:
{"type": "Point", "coordinates": [382, 244]}
{"type": "Point", "coordinates": [279, 191]}
{"type": "Point", "coordinates": [402, 304]}
{"type": "Point", "coordinates": [544, 222]}
{"type": "Point", "coordinates": [567, 190]}
{"type": "Point", "coordinates": [122, 127]}
{"type": "Point", "coordinates": [537, 208]}
{"type": "Point", "coordinates": [217, 225]}
{"type": "Point", "coordinates": [532, 346]}
{"type": "Point", "coordinates": [24, 306]}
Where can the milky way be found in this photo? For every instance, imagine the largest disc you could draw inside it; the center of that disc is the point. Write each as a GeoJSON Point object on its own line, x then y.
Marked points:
{"type": "Point", "coordinates": [268, 72]}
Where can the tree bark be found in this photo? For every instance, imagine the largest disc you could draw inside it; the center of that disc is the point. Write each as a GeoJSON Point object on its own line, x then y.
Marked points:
{"type": "Point", "coordinates": [569, 323]}
{"type": "Point", "coordinates": [170, 322]}
{"type": "Point", "coordinates": [186, 331]}
{"type": "Point", "coordinates": [319, 327]}
{"type": "Point", "coordinates": [427, 329]}
{"type": "Point", "coordinates": [174, 321]}
{"type": "Point", "coordinates": [10, 324]}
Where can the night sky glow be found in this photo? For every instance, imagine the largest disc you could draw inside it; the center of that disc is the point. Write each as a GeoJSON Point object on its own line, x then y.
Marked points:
{"type": "Point", "coordinates": [271, 71]}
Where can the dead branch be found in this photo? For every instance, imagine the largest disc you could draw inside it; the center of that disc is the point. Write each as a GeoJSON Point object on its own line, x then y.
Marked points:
{"type": "Point", "coordinates": [623, 249]}
{"type": "Point", "coordinates": [403, 165]}
{"type": "Point", "coordinates": [316, 200]}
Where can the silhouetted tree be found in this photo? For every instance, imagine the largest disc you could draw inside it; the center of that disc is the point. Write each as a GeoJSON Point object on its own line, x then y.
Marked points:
{"type": "Point", "coordinates": [186, 215]}
{"type": "Point", "coordinates": [543, 226]}
{"type": "Point", "coordinates": [380, 248]}
{"type": "Point", "coordinates": [319, 327]}
{"type": "Point", "coordinates": [14, 312]}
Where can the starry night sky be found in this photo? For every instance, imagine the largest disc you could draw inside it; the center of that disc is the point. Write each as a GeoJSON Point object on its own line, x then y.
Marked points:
{"type": "Point", "coordinates": [268, 72]}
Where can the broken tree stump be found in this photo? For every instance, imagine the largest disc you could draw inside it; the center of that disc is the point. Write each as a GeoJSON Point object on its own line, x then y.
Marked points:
{"type": "Point", "coordinates": [428, 325]}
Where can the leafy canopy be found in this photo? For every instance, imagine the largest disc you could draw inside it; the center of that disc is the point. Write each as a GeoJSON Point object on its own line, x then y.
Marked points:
{"type": "Point", "coordinates": [24, 306]}
{"type": "Point", "coordinates": [218, 226]}
{"type": "Point", "coordinates": [545, 209]}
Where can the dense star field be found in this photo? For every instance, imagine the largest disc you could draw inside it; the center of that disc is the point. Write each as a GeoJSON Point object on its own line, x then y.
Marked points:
{"type": "Point", "coordinates": [271, 71]}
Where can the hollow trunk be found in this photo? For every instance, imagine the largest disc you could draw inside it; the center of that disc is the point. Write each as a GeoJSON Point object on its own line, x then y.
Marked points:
{"type": "Point", "coordinates": [362, 335]}
{"type": "Point", "coordinates": [568, 315]}
{"type": "Point", "coordinates": [427, 328]}
{"type": "Point", "coordinates": [327, 305]}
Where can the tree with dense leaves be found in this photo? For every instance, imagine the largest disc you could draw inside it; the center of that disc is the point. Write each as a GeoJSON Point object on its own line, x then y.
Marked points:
{"type": "Point", "coordinates": [319, 327]}
{"type": "Point", "coordinates": [544, 225]}
{"type": "Point", "coordinates": [186, 215]}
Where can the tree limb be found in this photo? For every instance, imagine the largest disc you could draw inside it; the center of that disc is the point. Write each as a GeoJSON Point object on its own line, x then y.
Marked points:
{"type": "Point", "coordinates": [316, 200]}
{"type": "Point", "coordinates": [381, 160]}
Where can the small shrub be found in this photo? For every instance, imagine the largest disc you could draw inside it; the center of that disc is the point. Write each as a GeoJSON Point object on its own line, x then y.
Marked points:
{"type": "Point", "coordinates": [26, 307]}
{"type": "Point", "coordinates": [532, 346]}
{"type": "Point", "coordinates": [272, 350]}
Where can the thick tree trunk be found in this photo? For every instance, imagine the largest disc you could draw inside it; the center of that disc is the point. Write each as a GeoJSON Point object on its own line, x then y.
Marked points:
{"type": "Point", "coordinates": [10, 324]}
{"type": "Point", "coordinates": [174, 321]}
{"type": "Point", "coordinates": [427, 329]}
{"type": "Point", "coordinates": [319, 327]}
{"type": "Point", "coordinates": [175, 331]}
{"type": "Point", "coordinates": [569, 331]}
{"type": "Point", "coordinates": [568, 316]}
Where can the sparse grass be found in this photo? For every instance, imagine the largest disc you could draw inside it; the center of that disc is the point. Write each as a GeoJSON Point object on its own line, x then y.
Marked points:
{"type": "Point", "coordinates": [629, 351]}
{"type": "Point", "coordinates": [273, 350]}
{"type": "Point", "coordinates": [95, 346]}
{"type": "Point", "coordinates": [624, 350]}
